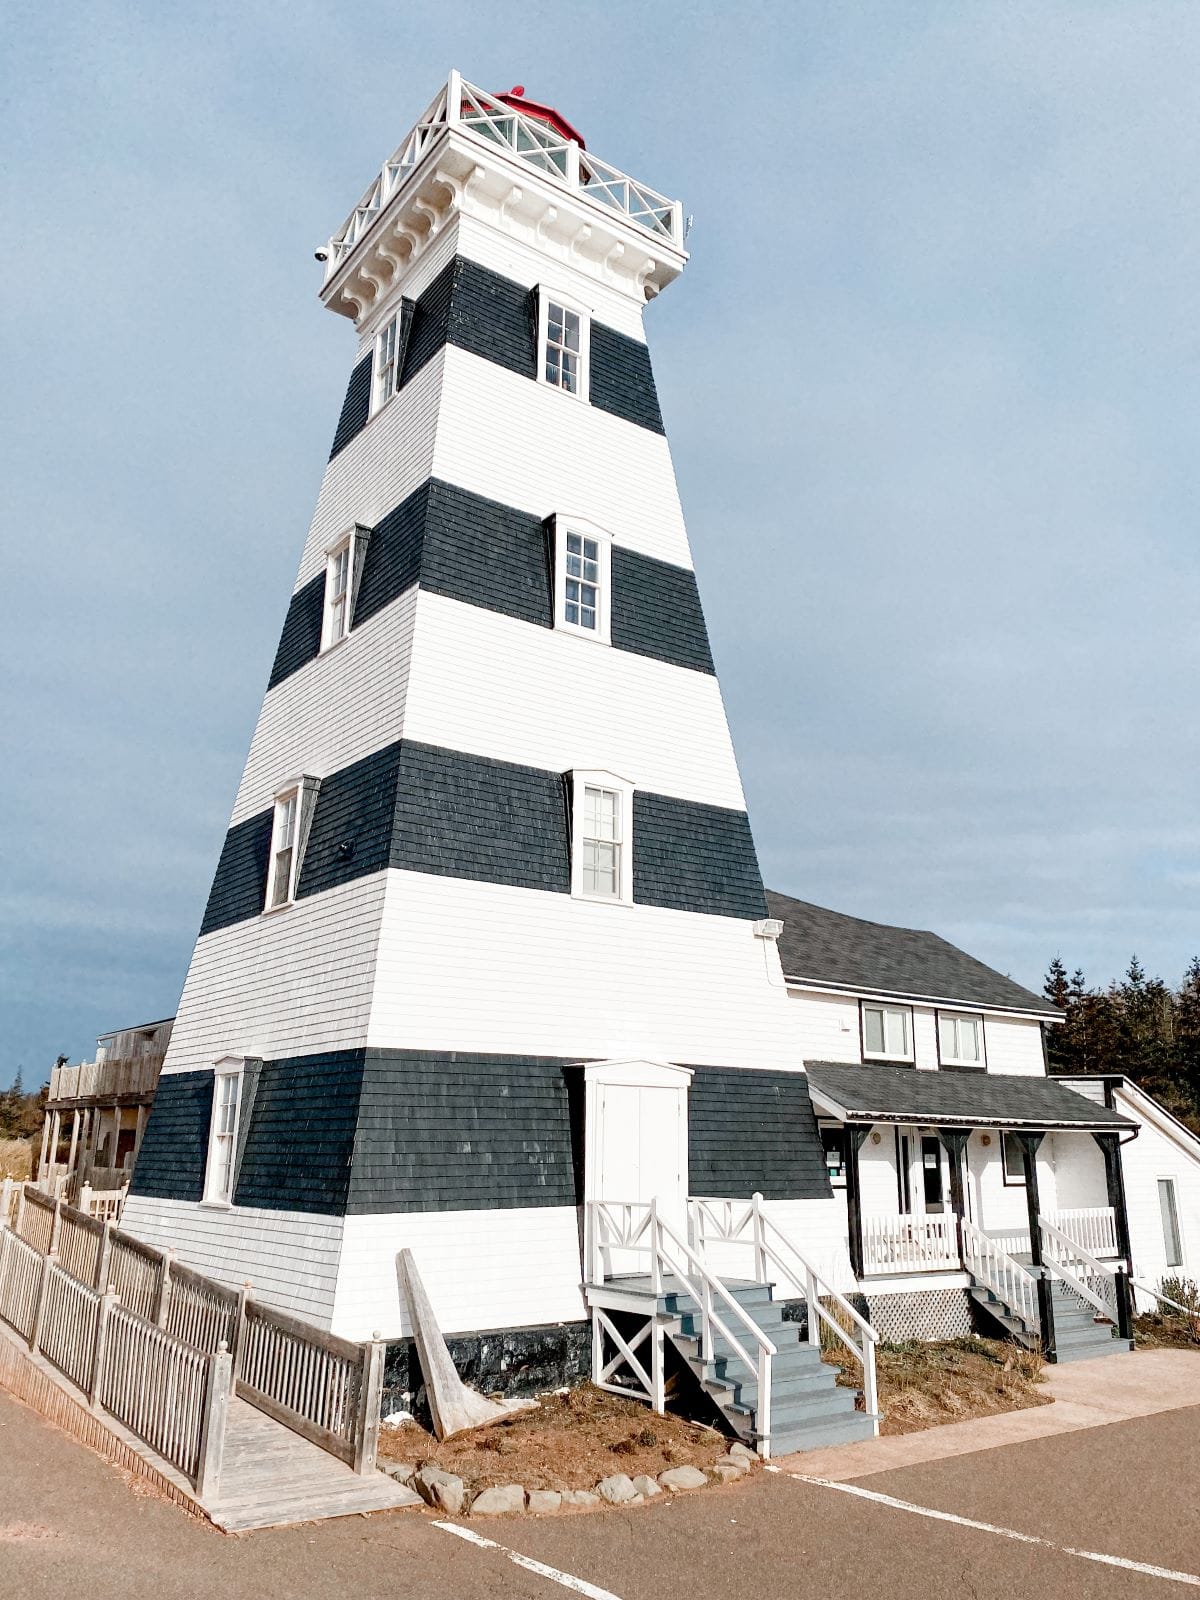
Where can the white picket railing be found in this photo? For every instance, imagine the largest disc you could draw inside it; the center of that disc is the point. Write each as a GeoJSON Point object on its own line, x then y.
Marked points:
{"type": "Point", "coordinates": [898, 1244]}
{"type": "Point", "coordinates": [741, 1222]}
{"type": "Point", "coordinates": [1008, 1280]}
{"type": "Point", "coordinates": [635, 1227]}
{"type": "Point", "coordinates": [1092, 1280]}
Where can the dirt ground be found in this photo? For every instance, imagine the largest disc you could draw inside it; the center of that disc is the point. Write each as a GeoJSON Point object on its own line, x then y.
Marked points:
{"type": "Point", "coordinates": [570, 1441]}
{"type": "Point", "coordinates": [924, 1385]}
{"type": "Point", "coordinates": [1174, 1332]}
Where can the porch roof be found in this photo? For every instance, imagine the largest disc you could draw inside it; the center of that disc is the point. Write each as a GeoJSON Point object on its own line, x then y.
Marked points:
{"type": "Point", "coordinates": [867, 1094]}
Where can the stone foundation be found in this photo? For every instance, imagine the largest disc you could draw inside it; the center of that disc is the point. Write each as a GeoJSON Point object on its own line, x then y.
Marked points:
{"type": "Point", "coordinates": [506, 1361]}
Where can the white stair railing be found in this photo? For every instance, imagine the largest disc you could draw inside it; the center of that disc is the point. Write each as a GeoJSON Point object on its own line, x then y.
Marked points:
{"type": "Point", "coordinates": [636, 1226]}
{"type": "Point", "coordinates": [1008, 1280]}
{"type": "Point", "coordinates": [1068, 1261]}
{"type": "Point", "coordinates": [744, 1222]}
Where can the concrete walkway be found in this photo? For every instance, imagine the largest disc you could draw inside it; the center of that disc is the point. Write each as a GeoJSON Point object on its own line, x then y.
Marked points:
{"type": "Point", "coordinates": [1087, 1394]}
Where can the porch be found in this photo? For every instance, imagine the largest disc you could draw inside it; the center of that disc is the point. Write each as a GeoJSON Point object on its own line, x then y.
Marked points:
{"type": "Point", "coordinates": [1009, 1188]}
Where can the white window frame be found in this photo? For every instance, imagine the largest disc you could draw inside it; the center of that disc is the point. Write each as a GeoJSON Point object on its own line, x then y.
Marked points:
{"type": "Point", "coordinates": [300, 794]}
{"type": "Point", "coordinates": [562, 527]}
{"type": "Point", "coordinates": [382, 391]}
{"type": "Point", "coordinates": [1011, 1180]}
{"type": "Point", "coordinates": [1169, 1179]}
{"type": "Point", "coordinates": [885, 1054]}
{"type": "Point", "coordinates": [581, 781]}
{"type": "Point", "coordinates": [948, 1025]}
{"type": "Point", "coordinates": [549, 296]}
{"type": "Point", "coordinates": [223, 1141]}
{"type": "Point", "coordinates": [350, 544]}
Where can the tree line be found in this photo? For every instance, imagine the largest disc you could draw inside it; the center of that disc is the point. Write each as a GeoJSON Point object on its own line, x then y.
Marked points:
{"type": "Point", "coordinates": [21, 1110]}
{"type": "Point", "coordinates": [1138, 1026]}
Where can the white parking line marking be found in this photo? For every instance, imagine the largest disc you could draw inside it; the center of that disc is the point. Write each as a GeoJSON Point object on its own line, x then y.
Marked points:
{"type": "Point", "coordinates": [1168, 1573]}
{"type": "Point", "coordinates": [566, 1579]}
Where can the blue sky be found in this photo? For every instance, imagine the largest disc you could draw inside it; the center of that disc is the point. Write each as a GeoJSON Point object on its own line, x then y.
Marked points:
{"type": "Point", "coordinates": [929, 380]}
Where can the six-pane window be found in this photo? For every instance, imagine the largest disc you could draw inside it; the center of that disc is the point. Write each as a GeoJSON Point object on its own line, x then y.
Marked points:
{"type": "Point", "coordinates": [564, 355]}
{"type": "Point", "coordinates": [887, 1031]}
{"type": "Point", "coordinates": [283, 849]}
{"type": "Point", "coordinates": [226, 1092]}
{"type": "Point", "coordinates": [337, 595]}
{"type": "Point", "coordinates": [387, 368]}
{"type": "Point", "coordinates": [581, 602]}
{"type": "Point", "coordinates": [961, 1039]}
{"type": "Point", "coordinates": [601, 842]}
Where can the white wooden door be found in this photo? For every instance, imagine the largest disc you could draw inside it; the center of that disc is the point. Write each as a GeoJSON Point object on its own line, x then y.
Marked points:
{"type": "Point", "coordinates": [637, 1144]}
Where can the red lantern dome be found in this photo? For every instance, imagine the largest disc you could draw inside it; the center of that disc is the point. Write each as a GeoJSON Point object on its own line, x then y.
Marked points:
{"type": "Point", "coordinates": [515, 98]}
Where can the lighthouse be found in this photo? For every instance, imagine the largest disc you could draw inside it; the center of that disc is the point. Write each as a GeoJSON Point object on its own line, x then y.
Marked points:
{"type": "Point", "coordinates": [487, 939]}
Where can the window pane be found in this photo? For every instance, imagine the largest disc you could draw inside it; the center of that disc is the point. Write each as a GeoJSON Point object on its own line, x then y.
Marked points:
{"type": "Point", "coordinates": [1014, 1164]}
{"type": "Point", "coordinates": [1170, 1222]}
{"type": "Point", "coordinates": [873, 1029]}
{"type": "Point", "coordinates": [283, 876]}
{"type": "Point", "coordinates": [968, 1039]}
{"type": "Point", "coordinates": [897, 1032]}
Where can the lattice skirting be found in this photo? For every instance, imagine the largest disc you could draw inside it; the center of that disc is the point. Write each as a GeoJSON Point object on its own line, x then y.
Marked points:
{"type": "Point", "coordinates": [923, 1314]}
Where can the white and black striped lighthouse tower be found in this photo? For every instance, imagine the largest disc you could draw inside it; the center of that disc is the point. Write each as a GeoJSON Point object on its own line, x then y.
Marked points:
{"type": "Point", "coordinates": [487, 935]}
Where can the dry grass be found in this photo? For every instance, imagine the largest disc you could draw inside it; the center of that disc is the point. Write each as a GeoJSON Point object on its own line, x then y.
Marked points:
{"type": "Point", "coordinates": [924, 1385]}
{"type": "Point", "coordinates": [571, 1441]}
{"type": "Point", "coordinates": [16, 1158]}
{"type": "Point", "coordinates": [1171, 1332]}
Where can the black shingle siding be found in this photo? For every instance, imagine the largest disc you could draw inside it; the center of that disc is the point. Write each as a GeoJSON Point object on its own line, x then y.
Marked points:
{"type": "Point", "coordinates": [300, 640]}
{"type": "Point", "coordinates": [300, 1144]}
{"type": "Point", "coordinates": [174, 1150]}
{"type": "Point", "coordinates": [656, 611]}
{"type": "Point", "coordinates": [754, 1132]}
{"type": "Point", "coordinates": [240, 885]}
{"type": "Point", "coordinates": [430, 320]}
{"type": "Point", "coordinates": [356, 407]}
{"type": "Point", "coordinates": [486, 554]}
{"type": "Point", "coordinates": [352, 825]}
{"type": "Point", "coordinates": [693, 857]}
{"type": "Point", "coordinates": [621, 378]}
{"type": "Point", "coordinates": [466, 816]}
{"type": "Point", "coordinates": [440, 1131]}
{"type": "Point", "coordinates": [392, 563]}
{"type": "Point", "coordinates": [493, 317]}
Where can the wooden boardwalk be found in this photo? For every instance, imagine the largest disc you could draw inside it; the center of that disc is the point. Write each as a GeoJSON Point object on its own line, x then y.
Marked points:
{"type": "Point", "coordinates": [270, 1476]}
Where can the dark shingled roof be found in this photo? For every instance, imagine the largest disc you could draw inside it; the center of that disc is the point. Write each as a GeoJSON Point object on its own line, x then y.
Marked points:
{"type": "Point", "coordinates": [820, 946]}
{"type": "Point", "coordinates": [966, 1099]}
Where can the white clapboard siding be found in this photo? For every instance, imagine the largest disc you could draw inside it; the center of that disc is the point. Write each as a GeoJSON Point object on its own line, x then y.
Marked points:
{"type": "Point", "coordinates": [477, 966]}
{"type": "Point", "coordinates": [925, 1039]}
{"type": "Point", "coordinates": [337, 709]}
{"type": "Point", "coordinates": [1014, 1045]}
{"type": "Point", "coordinates": [380, 467]}
{"type": "Point", "coordinates": [289, 1257]}
{"type": "Point", "coordinates": [1161, 1150]}
{"type": "Point", "coordinates": [533, 447]}
{"type": "Point", "coordinates": [291, 983]}
{"type": "Point", "coordinates": [559, 701]}
{"type": "Point", "coordinates": [481, 1269]}
{"type": "Point", "coordinates": [827, 1026]}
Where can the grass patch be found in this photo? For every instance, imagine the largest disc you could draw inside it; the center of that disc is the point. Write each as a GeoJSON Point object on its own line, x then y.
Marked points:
{"type": "Point", "coordinates": [571, 1441]}
{"type": "Point", "coordinates": [16, 1159]}
{"type": "Point", "coordinates": [923, 1385]}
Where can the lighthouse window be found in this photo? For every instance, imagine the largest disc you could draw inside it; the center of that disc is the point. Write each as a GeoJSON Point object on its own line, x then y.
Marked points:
{"type": "Point", "coordinates": [563, 345]}
{"type": "Point", "coordinates": [581, 555]}
{"type": "Point", "coordinates": [601, 868]}
{"type": "Point", "coordinates": [343, 566]}
{"type": "Point", "coordinates": [389, 357]}
{"type": "Point", "coordinates": [222, 1141]}
{"type": "Point", "coordinates": [283, 849]}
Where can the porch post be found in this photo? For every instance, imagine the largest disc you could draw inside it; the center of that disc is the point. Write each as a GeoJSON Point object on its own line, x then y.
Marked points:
{"type": "Point", "coordinates": [1114, 1178]}
{"type": "Point", "coordinates": [854, 1142]}
{"type": "Point", "coordinates": [1029, 1142]}
{"type": "Point", "coordinates": [954, 1142]}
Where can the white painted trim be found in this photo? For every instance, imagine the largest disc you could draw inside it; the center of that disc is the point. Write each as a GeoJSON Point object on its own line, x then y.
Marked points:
{"type": "Point", "coordinates": [560, 525]}
{"type": "Point", "coordinates": [596, 778]}
{"type": "Point", "coordinates": [638, 1074]}
{"type": "Point", "coordinates": [896, 996]}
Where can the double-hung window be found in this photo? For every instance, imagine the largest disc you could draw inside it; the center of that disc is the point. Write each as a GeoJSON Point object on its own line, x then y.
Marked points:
{"type": "Point", "coordinates": [582, 563]}
{"type": "Point", "coordinates": [602, 818]}
{"type": "Point", "coordinates": [960, 1040]}
{"type": "Point", "coordinates": [563, 344]}
{"type": "Point", "coordinates": [1169, 1210]}
{"type": "Point", "coordinates": [223, 1130]}
{"type": "Point", "coordinates": [294, 805]}
{"type": "Point", "coordinates": [887, 1032]}
{"type": "Point", "coordinates": [389, 358]}
{"type": "Point", "coordinates": [343, 566]}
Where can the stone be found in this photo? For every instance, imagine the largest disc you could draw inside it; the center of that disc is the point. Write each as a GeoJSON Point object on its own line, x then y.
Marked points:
{"type": "Point", "coordinates": [646, 1486]}
{"type": "Point", "coordinates": [726, 1472]}
{"type": "Point", "coordinates": [580, 1497]}
{"type": "Point", "coordinates": [743, 1452]}
{"type": "Point", "coordinates": [676, 1478]}
{"type": "Point", "coordinates": [439, 1489]}
{"type": "Point", "coordinates": [500, 1499]}
{"type": "Point", "coordinates": [402, 1471]}
{"type": "Point", "coordinates": [736, 1462]}
{"type": "Point", "coordinates": [453, 1406]}
{"type": "Point", "coordinates": [618, 1490]}
{"type": "Point", "coordinates": [542, 1500]}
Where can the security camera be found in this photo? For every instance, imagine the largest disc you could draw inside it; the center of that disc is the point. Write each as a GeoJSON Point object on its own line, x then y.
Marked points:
{"type": "Point", "coordinates": [321, 255]}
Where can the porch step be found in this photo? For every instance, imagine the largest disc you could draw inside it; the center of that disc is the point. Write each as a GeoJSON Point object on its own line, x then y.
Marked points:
{"type": "Point", "coordinates": [808, 1406]}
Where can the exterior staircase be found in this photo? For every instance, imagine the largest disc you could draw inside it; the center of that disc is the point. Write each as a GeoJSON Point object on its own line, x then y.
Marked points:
{"type": "Point", "coordinates": [1078, 1336]}
{"type": "Point", "coordinates": [808, 1406]}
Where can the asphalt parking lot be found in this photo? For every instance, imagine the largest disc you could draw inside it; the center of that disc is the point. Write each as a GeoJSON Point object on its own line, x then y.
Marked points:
{"type": "Point", "coordinates": [1079, 1514]}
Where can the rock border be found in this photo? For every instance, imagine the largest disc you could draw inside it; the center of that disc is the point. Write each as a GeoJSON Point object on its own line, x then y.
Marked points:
{"type": "Point", "coordinates": [447, 1493]}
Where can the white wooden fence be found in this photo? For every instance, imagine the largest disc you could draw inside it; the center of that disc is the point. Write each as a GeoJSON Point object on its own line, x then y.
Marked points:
{"type": "Point", "coordinates": [898, 1244]}
{"type": "Point", "coordinates": [158, 1345]}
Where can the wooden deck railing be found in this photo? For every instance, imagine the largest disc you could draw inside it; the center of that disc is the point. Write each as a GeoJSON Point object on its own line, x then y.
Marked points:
{"type": "Point", "coordinates": [106, 1080]}
{"type": "Point", "coordinates": [899, 1244]}
{"type": "Point", "coordinates": [155, 1342]}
